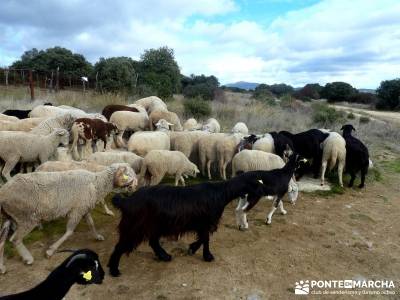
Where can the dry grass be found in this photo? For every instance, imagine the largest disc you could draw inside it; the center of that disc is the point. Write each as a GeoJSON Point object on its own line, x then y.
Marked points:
{"type": "Point", "coordinates": [232, 108]}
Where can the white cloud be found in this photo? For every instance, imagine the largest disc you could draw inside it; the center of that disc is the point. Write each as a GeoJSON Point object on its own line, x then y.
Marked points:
{"type": "Point", "coordinates": [354, 41]}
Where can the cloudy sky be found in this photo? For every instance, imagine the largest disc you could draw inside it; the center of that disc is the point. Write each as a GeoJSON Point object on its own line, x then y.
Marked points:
{"type": "Point", "coordinates": [269, 41]}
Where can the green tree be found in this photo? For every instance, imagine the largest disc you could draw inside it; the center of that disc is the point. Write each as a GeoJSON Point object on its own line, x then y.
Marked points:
{"type": "Point", "coordinates": [199, 86]}
{"type": "Point", "coordinates": [338, 91]}
{"type": "Point", "coordinates": [159, 70]}
{"type": "Point", "coordinates": [116, 74]}
{"type": "Point", "coordinates": [70, 64]}
{"type": "Point", "coordinates": [280, 89]}
{"type": "Point", "coordinates": [308, 92]}
{"type": "Point", "coordinates": [389, 95]}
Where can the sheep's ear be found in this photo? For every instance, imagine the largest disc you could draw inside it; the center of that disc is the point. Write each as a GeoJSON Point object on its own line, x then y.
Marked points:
{"type": "Point", "coordinates": [62, 132]}
{"type": "Point", "coordinates": [170, 124]}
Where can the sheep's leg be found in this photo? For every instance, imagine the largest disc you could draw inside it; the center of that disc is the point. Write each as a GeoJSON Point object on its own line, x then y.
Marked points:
{"type": "Point", "coordinates": [275, 204]}
{"type": "Point", "coordinates": [3, 237]}
{"type": "Point", "coordinates": [353, 177]}
{"type": "Point", "coordinates": [73, 221]}
{"type": "Point", "coordinates": [182, 181]}
{"type": "Point", "coordinates": [209, 169]}
{"type": "Point", "coordinates": [8, 166]}
{"type": "Point", "coordinates": [340, 173]}
{"type": "Point", "coordinates": [205, 238]}
{"type": "Point", "coordinates": [88, 149]}
{"type": "Point", "coordinates": [115, 258]}
{"type": "Point", "coordinates": [158, 250]}
{"type": "Point", "coordinates": [221, 168]}
{"type": "Point", "coordinates": [17, 240]}
{"type": "Point", "coordinates": [323, 170]}
{"type": "Point", "coordinates": [107, 211]}
{"type": "Point", "coordinates": [90, 222]}
{"type": "Point", "coordinates": [120, 140]}
{"type": "Point", "coordinates": [224, 169]}
{"type": "Point", "coordinates": [177, 178]}
{"type": "Point", "coordinates": [241, 216]}
{"type": "Point", "coordinates": [156, 179]}
{"type": "Point", "coordinates": [363, 173]}
{"type": "Point", "coordinates": [283, 211]}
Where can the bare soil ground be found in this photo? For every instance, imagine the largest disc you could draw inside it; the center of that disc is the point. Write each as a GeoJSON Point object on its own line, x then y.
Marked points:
{"type": "Point", "coordinates": [323, 237]}
{"type": "Point", "coordinates": [389, 116]}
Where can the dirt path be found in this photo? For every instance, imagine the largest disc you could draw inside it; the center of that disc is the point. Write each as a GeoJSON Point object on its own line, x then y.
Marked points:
{"type": "Point", "coordinates": [380, 115]}
{"type": "Point", "coordinates": [349, 236]}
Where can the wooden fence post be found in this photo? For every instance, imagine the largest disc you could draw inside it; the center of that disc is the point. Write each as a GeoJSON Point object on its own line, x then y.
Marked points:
{"type": "Point", "coordinates": [31, 86]}
{"type": "Point", "coordinates": [57, 79]}
{"type": "Point", "coordinates": [6, 75]}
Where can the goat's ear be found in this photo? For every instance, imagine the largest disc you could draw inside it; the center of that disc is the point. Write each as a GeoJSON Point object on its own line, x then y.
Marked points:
{"type": "Point", "coordinates": [260, 181]}
{"type": "Point", "coordinates": [342, 128]}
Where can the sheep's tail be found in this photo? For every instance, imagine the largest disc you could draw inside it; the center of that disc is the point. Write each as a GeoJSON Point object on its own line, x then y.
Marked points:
{"type": "Point", "coordinates": [370, 164]}
{"type": "Point", "coordinates": [333, 158]}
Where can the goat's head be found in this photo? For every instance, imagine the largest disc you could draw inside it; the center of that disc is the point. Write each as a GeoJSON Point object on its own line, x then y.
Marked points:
{"type": "Point", "coordinates": [124, 176]}
{"type": "Point", "coordinates": [287, 153]}
{"type": "Point", "coordinates": [84, 265]}
{"type": "Point", "coordinates": [348, 128]}
{"type": "Point", "coordinates": [303, 166]}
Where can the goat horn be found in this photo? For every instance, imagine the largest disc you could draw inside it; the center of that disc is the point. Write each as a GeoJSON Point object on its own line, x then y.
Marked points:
{"type": "Point", "coordinates": [76, 257]}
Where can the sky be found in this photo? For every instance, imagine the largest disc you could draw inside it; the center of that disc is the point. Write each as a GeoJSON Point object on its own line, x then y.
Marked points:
{"type": "Point", "coordinates": [264, 41]}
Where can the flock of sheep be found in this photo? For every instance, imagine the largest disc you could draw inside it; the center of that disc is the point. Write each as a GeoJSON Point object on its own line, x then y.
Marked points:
{"type": "Point", "coordinates": [79, 158]}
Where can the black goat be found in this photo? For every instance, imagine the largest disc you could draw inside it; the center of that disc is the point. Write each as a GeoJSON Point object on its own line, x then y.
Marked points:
{"type": "Point", "coordinates": [357, 156]}
{"type": "Point", "coordinates": [82, 267]}
{"type": "Point", "coordinates": [162, 210]}
{"type": "Point", "coordinates": [246, 142]}
{"type": "Point", "coordinates": [274, 183]}
{"type": "Point", "coordinates": [19, 113]}
{"type": "Point", "coordinates": [307, 144]}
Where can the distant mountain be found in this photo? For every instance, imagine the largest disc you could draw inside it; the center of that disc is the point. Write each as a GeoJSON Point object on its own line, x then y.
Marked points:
{"type": "Point", "coordinates": [372, 91]}
{"type": "Point", "coordinates": [243, 85]}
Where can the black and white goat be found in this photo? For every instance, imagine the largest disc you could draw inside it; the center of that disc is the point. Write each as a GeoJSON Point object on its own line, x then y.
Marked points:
{"type": "Point", "coordinates": [275, 183]}
{"type": "Point", "coordinates": [162, 210]}
{"type": "Point", "coordinates": [307, 144]}
{"type": "Point", "coordinates": [82, 267]}
{"type": "Point", "coordinates": [357, 156]}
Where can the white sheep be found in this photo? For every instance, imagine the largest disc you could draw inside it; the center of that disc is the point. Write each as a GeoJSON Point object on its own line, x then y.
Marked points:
{"type": "Point", "coordinates": [169, 116]}
{"type": "Point", "coordinates": [187, 143]}
{"type": "Point", "coordinates": [208, 151]}
{"type": "Point", "coordinates": [191, 125]}
{"type": "Point", "coordinates": [142, 142]}
{"type": "Point", "coordinates": [59, 166]}
{"type": "Point", "coordinates": [20, 125]}
{"type": "Point", "coordinates": [49, 125]}
{"type": "Point", "coordinates": [140, 108]}
{"type": "Point", "coordinates": [47, 111]}
{"type": "Point", "coordinates": [333, 150]}
{"type": "Point", "coordinates": [226, 148]}
{"type": "Point", "coordinates": [255, 160]}
{"type": "Point", "coordinates": [128, 120]}
{"type": "Point", "coordinates": [158, 163]}
{"type": "Point", "coordinates": [17, 146]}
{"type": "Point", "coordinates": [4, 117]}
{"type": "Point", "coordinates": [111, 157]}
{"type": "Point", "coordinates": [265, 143]}
{"type": "Point", "coordinates": [52, 196]}
{"type": "Point", "coordinates": [62, 154]}
{"type": "Point", "coordinates": [240, 127]}
{"type": "Point", "coordinates": [212, 126]}
{"type": "Point", "coordinates": [151, 104]}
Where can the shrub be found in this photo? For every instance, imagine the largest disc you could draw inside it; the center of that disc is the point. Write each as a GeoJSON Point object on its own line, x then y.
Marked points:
{"type": "Point", "coordinates": [197, 108]}
{"type": "Point", "coordinates": [364, 119]}
{"type": "Point", "coordinates": [308, 92]}
{"type": "Point", "coordinates": [287, 101]}
{"type": "Point", "coordinates": [351, 116]}
{"type": "Point", "coordinates": [365, 98]}
{"type": "Point", "coordinates": [326, 116]}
